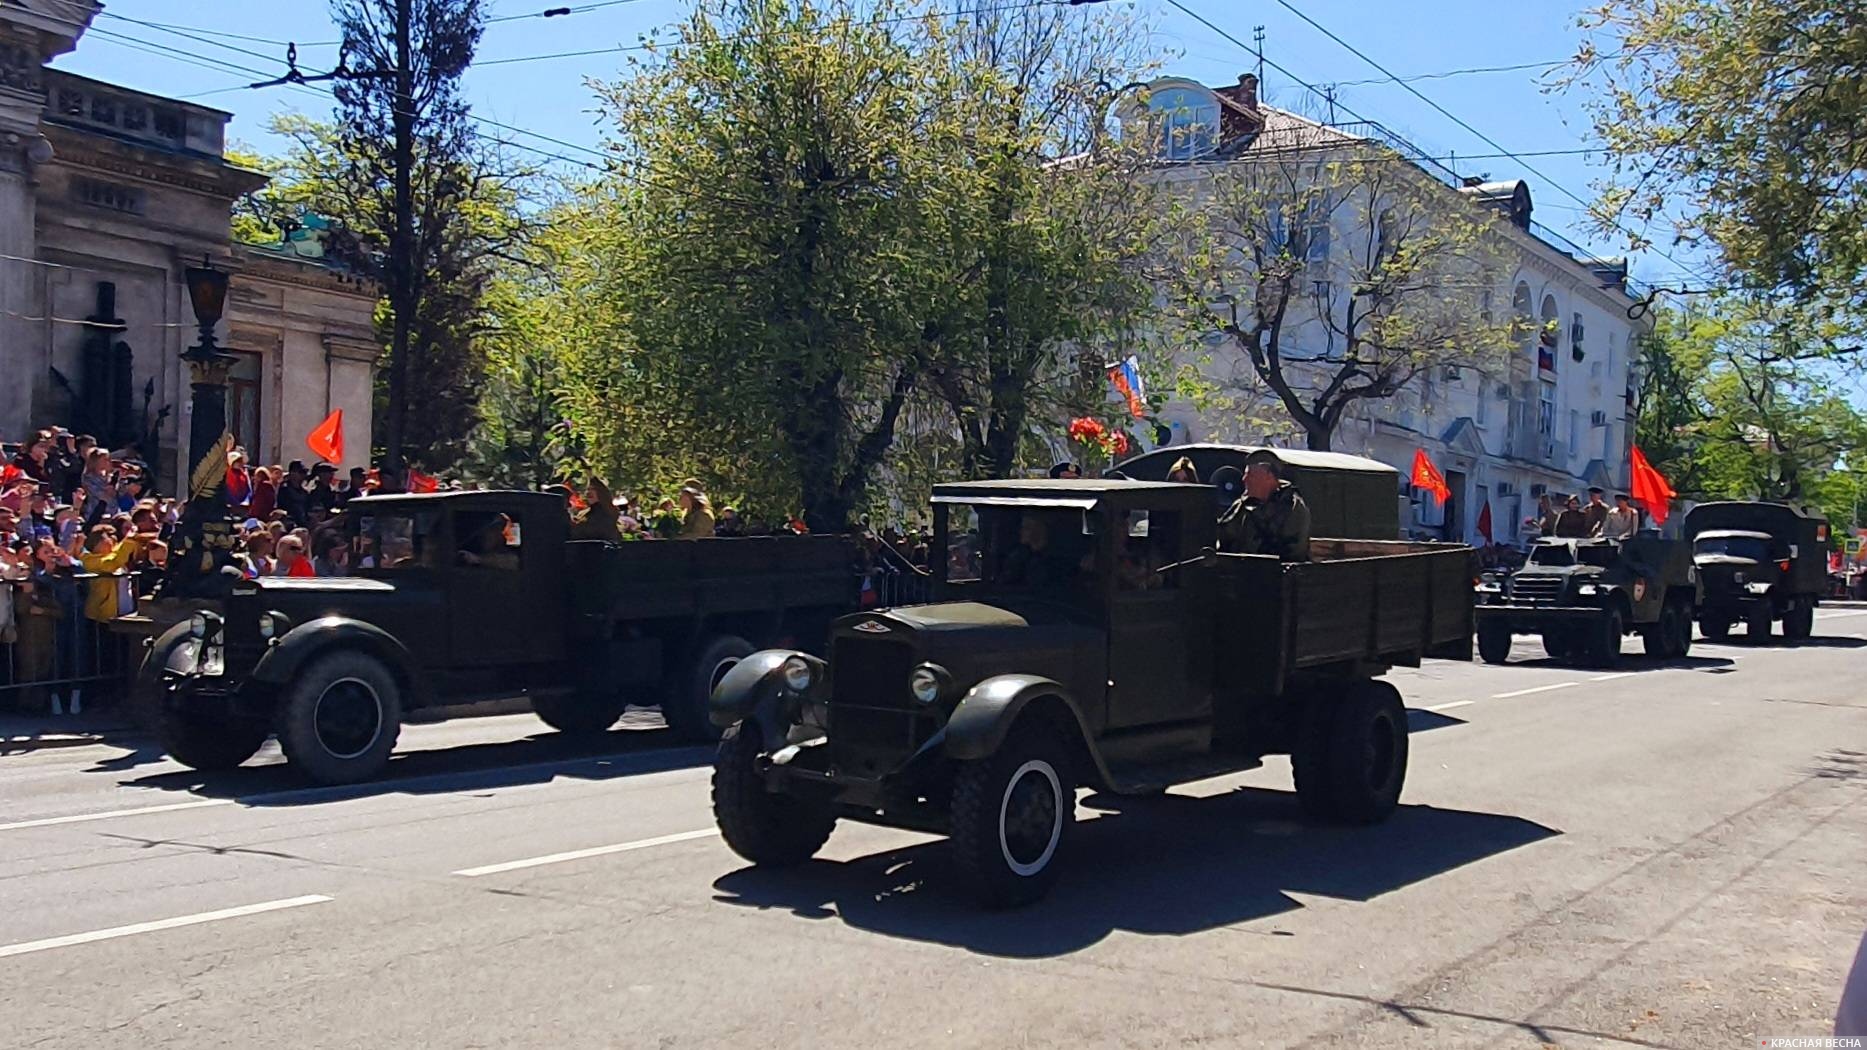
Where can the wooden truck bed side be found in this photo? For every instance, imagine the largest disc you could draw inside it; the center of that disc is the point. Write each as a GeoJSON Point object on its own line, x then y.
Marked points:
{"type": "Point", "coordinates": [656, 579]}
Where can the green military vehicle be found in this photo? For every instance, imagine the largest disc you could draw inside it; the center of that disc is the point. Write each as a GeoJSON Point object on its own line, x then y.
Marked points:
{"type": "Point", "coordinates": [467, 596]}
{"type": "Point", "coordinates": [1758, 563]}
{"type": "Point", "coordinates": [1085, 635]}
{"type": "Point", "coordinates": [1583, 595]}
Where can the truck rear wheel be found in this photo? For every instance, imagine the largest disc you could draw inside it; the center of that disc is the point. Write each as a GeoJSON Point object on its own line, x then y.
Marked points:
{"type": "Point", "coordinates": [1757, 626]}
{"type": "Point", "coordinates": [582, 712]}
{"type": "Point", "coordinates": [684, 703]}
{"type": "Point", "coordinates": [1799, 623]}
{"type": "Point", "coordinates": [770, 830]}
{"type": "Point", "coordinates": [1494, 642]}
{"type": "Point", "coordinates": [208, 744]}
{"type": "Point", "coordinates": [1661, 638]}
{"type": "Point", "coordinates": [1011, 817]}
{"type": "Point", "coordinates": [1715, 630]}
{"type": "Point", "coordinates": [339, 718]}
{"type": "Point", "coordinates": [1352, 761]}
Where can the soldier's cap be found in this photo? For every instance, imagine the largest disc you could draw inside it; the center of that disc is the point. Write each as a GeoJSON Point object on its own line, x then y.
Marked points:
{"type": "Point", "coordinates": [1267, 459]}
{"type": "Point", "coordinates": [1623, 495]}
{"type": "Point", "coordinates": [324, 468]}
{"type": "Point", "coordinates": [1595, 490]}
{"type": "Point", "coordinates": [297, 465]}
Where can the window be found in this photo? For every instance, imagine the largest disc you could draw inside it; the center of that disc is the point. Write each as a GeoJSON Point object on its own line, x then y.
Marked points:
{"type": "Point", "coordinates": [394, 541]}
{"type": "Point", "coordinates": [1189, 122]}
{"type": "Point", "coordinates": [487, 540]}
{"type": "Point", "coordinates": [1545, 416]}
{"type": "Point", "coordinates": [1549, 336]}
{"type": "Point", "coordinates": [1575, 432]}
{"type": "Point", "coordinates": [1045, 549]}
{"type": "Point", "coordinates": [1148, 544]}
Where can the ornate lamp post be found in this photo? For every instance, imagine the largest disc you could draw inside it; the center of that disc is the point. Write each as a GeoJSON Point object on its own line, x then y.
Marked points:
{"type": "Point", "coordinates": [203, 541]}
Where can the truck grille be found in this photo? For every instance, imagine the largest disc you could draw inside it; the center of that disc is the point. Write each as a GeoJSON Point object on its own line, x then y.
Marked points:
{"type": "Point", "coordinates": [1536, 588]}
{"type": "Point", "coordinates": [873, 722]}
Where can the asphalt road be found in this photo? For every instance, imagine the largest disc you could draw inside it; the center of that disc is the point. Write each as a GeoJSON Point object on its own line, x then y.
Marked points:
{"type": "Point", "coordinates": [1672, 855]}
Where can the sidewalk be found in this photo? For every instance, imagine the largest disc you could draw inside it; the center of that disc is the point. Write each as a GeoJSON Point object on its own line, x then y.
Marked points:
{"type": "Point", "coordinates": [20, 733]}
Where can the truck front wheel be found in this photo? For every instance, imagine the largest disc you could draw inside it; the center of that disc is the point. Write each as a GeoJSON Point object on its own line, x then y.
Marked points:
{"type": "Point", "coordinates": [1494, 643]}
{"type": "Point", "coordinates": [1559, 643]}
{"type": "Point", "coordinates": [770, 830]}
{"type": "Point", "coordinates": [1011, 817]}
{"type": "Point", "coordinates": [1603, 641]}
{"type": "Point", "coordinates": [340, 717]}
{"type": "Point", "coordinates": [1757, 624]}
{"type": "Point", "coordinates": [1352, 762]}
{"type": "Point", "coordinates": [208, 744]}
{"type": "Point", "coordinates": [686, 699]}
{"type": "Point", "coordinates": [1716, 629]}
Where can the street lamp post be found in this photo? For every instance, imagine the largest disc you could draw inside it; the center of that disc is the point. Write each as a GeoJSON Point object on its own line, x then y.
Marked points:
{"type": "Point", "coordinates": [203, 542]}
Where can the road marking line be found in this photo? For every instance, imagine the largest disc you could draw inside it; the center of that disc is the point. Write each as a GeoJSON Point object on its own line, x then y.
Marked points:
{"type": "Point", "coordinates": [580, 854]}
{"type": "Point", "coordinates": [1538, 689]}
{"type": "Point", "coordinates": [1612, 677]}
{"type": "Point", "coordinates": [79, 818]}
{"type": "Point", "coordinates": [1838, 615]}
{"type": "Point", "coordinates": [159, 924]}
{"type": "Point", "coordinates": [1450, 706]}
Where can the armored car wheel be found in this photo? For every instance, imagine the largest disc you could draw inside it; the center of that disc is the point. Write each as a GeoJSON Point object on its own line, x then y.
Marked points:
{"type": "Point", "coordinates": [1559, 643]}
{"type": "Point", "coordinates": [1352, 759]}
{"type": "Point", "coordinates": [1757, 626]}
{"type": "Point", "coordinates": [770, 830]}
{"type": "Point", "coordinates": [208, 744]}
{"type": "Point", "coordinates": [1494, 642]}
{"type": "Point", "coordinates": [339, 719]}
{"type": "Point", "coordinates": [1661, 638]}
{"type": "Point", "coordinates": [1715, 630]}
{"type": "Point", "coordinates": [1682, 641]}
{"type": "Point", "coordinates": [1011, 817]}
{"type": "Point", "coordinates": [685, 701]}
{"type": "Point", "coordinates": [1799, 623]}
{"type": "Point", "coordinates": [1601, 645]}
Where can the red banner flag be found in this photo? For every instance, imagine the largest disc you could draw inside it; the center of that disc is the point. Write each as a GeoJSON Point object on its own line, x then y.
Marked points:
{"type": "Point", "coordinates": [1650, 487]}
{"type": "Point", "coordinates": [326, 440]}
{"type": "Point", "coordinates": [1484, 522]}
{"type": "Point", "coordinates": [1428, 477]}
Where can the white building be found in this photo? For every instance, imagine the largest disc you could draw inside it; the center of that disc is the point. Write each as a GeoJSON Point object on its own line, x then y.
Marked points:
{"type": "Point", "coordinates": [1552, 419]}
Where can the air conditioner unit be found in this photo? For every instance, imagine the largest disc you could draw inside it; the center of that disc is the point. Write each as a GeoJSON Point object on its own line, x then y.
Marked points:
{"type": "Point", "coordinates": [1597, 418]}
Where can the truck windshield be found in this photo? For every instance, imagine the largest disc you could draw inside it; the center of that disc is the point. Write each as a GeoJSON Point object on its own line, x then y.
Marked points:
{"type": "Point", "coordinates": [1038, 549]}
{"type": "Point", "coordinates": [1734, 546]}
{"type": "Point", "coordinates": [395, 541]}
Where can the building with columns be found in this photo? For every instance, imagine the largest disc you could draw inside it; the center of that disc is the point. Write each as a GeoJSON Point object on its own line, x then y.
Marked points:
{"type": "Point", "coordinates": [106, 195]}
{"type": "Point", "coordinates": [1555, 418]}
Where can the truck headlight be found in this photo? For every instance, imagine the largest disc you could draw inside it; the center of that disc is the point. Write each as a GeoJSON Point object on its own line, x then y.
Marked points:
{"type": "Point", "coordinates": [197, 625]}
{"type": "Point", "coordinates": [1490, 587]}
{"type": "Point", "coordinates": [927, 683]}
{"type": "Point", "coordinates": [1757, 588]}
{"type": "Point", "coordinates": [798, 674]}
{"type": "Point", "coordinates": [1588, 590]}
{"type": "Point", "coordinates": [268, 626]}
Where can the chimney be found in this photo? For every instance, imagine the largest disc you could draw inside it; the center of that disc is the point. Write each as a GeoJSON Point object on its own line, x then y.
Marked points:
{"type": "Point", "coordinates": [1248, 91]}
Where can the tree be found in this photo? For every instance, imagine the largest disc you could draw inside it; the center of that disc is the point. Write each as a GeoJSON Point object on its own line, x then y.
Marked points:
{"type": "Point", "coordinates": [406, 149]}
{"type": "Point", "coordinates": [1738, 122]}
{"type": "Point", "coordinates": [1341, 272]}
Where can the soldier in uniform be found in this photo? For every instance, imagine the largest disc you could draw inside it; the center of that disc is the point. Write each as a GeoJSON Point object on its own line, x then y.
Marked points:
{"type": "Point", "coordinates": [1270, 518]}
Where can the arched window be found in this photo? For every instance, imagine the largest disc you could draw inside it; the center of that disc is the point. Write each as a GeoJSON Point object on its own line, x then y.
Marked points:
{"type": "Point", "coordinates": [1523, 314]}
{"type": "Point", "coordinates": [1189, 121]}
{"type": "Point", "coordinates": [1548, 335]}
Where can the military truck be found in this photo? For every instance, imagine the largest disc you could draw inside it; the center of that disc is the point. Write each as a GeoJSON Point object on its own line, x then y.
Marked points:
{"type": "Point", "coordinates": [1084, 634]}
{"type": "Point", "coordinates": [1348, 496]}
{"type": "Point", "coordinates": [466, 596]}
{"type": "Point", "coordinates": [1758, 563]}
{"type": "Point", "coordinates": [1583, 595]}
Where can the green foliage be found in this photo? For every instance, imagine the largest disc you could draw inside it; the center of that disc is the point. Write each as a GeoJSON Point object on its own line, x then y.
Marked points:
{"type": "Point", "coordinates": [1738, 122]}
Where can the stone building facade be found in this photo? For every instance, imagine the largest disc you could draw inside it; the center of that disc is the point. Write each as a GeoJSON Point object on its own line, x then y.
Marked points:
{"type": "Point", "coordinates": [106, 195]}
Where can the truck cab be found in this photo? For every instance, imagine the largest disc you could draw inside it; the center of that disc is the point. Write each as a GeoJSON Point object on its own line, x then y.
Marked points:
{"type": "Point", "coordinates": [1760, 563]}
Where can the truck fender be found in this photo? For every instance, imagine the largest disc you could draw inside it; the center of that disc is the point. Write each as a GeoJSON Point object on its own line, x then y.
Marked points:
{"type": "Point", "coordinates": [169, 654]}
{"type": "Point", "coordinates": [986, 714]}
{"type": "Point", "coordinates": [752, 688]}
{"type": "Point", "coordinates": [290, 652]}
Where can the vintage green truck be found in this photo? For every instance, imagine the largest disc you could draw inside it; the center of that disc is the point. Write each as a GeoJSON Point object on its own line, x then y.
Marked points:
{"type": "Point", "coordinates": [466, 596]}
{"type": "Point", "coordinates": [1759, 563]}
{"type": "Point", "coordinates": [1085, 634]}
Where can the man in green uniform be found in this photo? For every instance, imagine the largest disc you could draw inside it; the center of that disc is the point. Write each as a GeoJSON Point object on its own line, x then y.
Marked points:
{"type": "Point", "coordinates": [1270, 518]}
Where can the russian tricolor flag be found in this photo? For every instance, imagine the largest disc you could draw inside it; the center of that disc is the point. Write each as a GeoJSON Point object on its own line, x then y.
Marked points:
{"type": "Point", "coordinates": [1126, 375]}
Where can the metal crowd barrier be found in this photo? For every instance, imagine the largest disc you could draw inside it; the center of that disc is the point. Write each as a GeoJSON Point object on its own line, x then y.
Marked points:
{"type": "Point", "coordinates": [71, 652]}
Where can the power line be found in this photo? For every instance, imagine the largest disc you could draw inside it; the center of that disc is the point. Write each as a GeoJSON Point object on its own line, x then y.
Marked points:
{"type": "Point", "coordinates": [559, 12]}
{"type": "Point", "coordinates": [1467, 71]}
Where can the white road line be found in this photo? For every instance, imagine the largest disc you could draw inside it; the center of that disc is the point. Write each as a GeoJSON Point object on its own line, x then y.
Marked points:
{"type": "Point", "coordinates": [79, 818]}
{"type": "Point", "coordinates": [1450, 706]}
{"type": "Point", "coordinates": [159, 924]}
{"type": "Point", "coordinates": [1538, 689]}
{"type": "Point", "coordinates": [580, 854]}
{"type": "Point", "coordinates": [1825, 615]}
{"type": "Point", "coordinates": [1612, 677]}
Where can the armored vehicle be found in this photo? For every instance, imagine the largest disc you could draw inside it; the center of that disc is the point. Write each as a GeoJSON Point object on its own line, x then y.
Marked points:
{"type": "Point", "coordinates": [1085, 635]}
{"type": "Point", "coordinates": [1758, 563]}
{"type": "Point", "coordinates": [1348, 496]}
{"type": "Point", "coordinates": [466, 596]}
{"type": "Point", "coordinates": [1583, 595]}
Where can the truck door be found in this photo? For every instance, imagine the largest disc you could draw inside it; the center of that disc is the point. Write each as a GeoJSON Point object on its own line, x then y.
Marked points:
{"type": "Point", "coordinates": [488, 619]}
{"type": "Point", "coordinates": [1149, 657]}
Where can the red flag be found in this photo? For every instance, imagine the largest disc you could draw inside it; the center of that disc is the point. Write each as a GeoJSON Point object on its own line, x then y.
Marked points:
{"type": "Point", "coordinates": [1484, 522]}
{"type": "Point", "coordinates": [419, 482]}
{"type": "Point", "coordinates": [1428, 477]}
{"type": "Point", "coordinates": [326, 440]}
{"type": "Point", "coordinates": [1650, 487]}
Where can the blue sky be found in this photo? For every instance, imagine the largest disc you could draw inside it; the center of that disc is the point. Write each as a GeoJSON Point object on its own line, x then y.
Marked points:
{"type": "Point", "coordinates": [550, 98]}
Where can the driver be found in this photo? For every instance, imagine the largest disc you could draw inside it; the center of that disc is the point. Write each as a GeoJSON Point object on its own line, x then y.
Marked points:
{"type": "Point", "coordinates": [1033, 563]}
{"type": "Point", "coordinates": [488, 546]}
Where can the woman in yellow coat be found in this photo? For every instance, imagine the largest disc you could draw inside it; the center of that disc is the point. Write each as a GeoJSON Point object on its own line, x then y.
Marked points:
{"type": "Point", "coordinates": [105, 556]}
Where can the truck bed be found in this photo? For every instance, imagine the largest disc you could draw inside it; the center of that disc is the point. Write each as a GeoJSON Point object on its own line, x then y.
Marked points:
{"type": "Point", "coordinates": [653, 579]}
{"type": "Point", "coordinates": [1388, 602]}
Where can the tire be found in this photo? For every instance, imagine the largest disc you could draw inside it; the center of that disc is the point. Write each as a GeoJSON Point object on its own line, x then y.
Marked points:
{"type": "Point", "coordinates": [685, 702]}
{"type": "Point", "coordinates": [1757, 626]}
{"type": "Point", "coordinates": [1559, 643]}
{"type": "Point", "coordinates": [1682, 645]}
{"type": "Point", "coordinates": [584, 713]}
{"type": "Point", "coordinates": [1494, 644]}
{"type": "Point", "coordinates": [770, 830]}
{"type": "Point", "coordinates": [1715, 630]}
{"type": "Point", "coordinates": [1661, 638]}
{"type": "Point", "coordinates": [1799, 623]}
{"type": "Point", "coordinates": [209, 745]}
{"type": "Point", "coordinates": [338, 721]}
{"type": "Point", "coordinates": [1602, 647]}
{"type": "Point", "coordinates": [1352, 762]}
{"type": "Point", "coordinates": [1012, 815]}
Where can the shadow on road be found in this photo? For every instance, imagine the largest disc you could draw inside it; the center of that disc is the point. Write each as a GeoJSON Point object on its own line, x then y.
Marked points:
{"type": "Point", "coordinates": [536, 759]}
{"type": "Point", "coordinates": [1420, 721]}
{"type": "Point", "coordinates": [1167, 865]}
